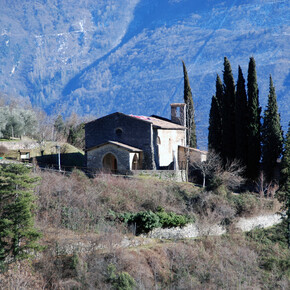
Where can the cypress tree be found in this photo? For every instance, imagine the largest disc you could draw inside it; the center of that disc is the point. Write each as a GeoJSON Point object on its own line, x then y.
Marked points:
{"type": "Point", "coordinates": [254, 123]}
{"type": "Point", "coordinates": [219, 93]}
{"type": "Point", "coordinates": [190, 123]}
{"type": "Point", "coordinates": [272, 135]}
{"type": "Point", "coordinates": [215, 119]}
{"type": "Point", "coordinates": [228, 123]}
{"type": "Point", "coordinates": [241, 119]}
{"type": "Point", "coordinates": [285, 182]}
{"type": "Point", "coordinates": [17, 233]}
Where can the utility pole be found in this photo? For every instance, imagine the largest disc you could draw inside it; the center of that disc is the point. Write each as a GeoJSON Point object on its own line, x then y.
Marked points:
{"type": "Point", "coordinates": [58, 152]}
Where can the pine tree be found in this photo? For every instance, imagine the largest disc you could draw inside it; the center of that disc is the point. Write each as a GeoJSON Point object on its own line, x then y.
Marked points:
{"type": "Point", "coordinates": [272, 135]}
{"type": "Point", "coordinates": [59, 125]}
{"type": "Point", "coordinates": [254, 123]}
{"type": "Point", "coordinates": [76, 136]}
{"type": "Point", "coordinates": [285, 182]}
{"type": "Point", "coordinates": [241, 119]}
{"type": "Point", "coordinates": [17, 232]}
{"type": "Point", "coordinates": [215, 119]}
{"type": "Point", "coordinates": [228, 123]}
{"type": "Point", "coordinates": [190, 123]}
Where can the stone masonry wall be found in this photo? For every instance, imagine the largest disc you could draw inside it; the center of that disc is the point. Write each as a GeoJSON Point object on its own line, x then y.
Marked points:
{"type": "Point", "coordinates": [174, 175]}
{"type": "Point", "coordinates": [135, 132]}
{"type": "Point", "coordinates": [197, 230]}
{"type": "Point", "coordinates": [95, 157]}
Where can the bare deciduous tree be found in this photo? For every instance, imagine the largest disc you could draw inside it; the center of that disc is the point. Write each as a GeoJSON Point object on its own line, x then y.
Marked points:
{"type": "Point", "coordinates": [264, 188]}
{"type": "Point", "coordinates": [212, 168]}
{"type": "Point", "coordinates": [206, 167]}
{"type": "Point", "coordinates": [231, 176]}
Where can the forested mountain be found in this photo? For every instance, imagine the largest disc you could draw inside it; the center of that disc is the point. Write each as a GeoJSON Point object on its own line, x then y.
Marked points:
{"type": "Point", "coordinates": [97, 57]}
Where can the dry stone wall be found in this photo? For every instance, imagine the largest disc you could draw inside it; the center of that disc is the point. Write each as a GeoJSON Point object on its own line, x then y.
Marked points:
{"type": "Point", "coordinates": [17, 145]}
{"type": "Point", "coordinates": [198, 230]}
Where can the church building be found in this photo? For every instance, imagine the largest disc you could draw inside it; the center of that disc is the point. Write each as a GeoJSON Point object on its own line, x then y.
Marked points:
{"type": "Point", "coordinates": [120, 143]}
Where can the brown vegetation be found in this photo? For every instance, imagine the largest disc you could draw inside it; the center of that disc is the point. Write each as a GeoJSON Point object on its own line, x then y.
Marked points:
{"type": "Point", "coordinates": [84, 242]}
{"type": "Point", "coordinates": [80, 203]}
{"type": "Point", "coordinates": [3, 150]}
{"type": "Point", "coordinates": [216, 262]}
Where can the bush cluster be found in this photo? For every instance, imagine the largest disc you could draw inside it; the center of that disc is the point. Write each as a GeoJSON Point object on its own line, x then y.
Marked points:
{"type": "Point", "coordinates": [120, 281]}
{"type": "Point", "coordinates": [145, 221]}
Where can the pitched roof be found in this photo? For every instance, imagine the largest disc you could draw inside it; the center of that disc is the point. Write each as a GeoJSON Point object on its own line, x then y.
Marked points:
{"type": "Point", "coordinates": [160, 122]}
{"type": "Point", "coordinates": [193, 149]}
{"type": "Point", "coordinates": [156, 121]}
{"type": "Point", "coordinates": [118, 144]}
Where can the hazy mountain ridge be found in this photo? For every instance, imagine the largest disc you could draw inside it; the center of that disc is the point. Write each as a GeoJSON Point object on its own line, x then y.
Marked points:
{"type": "Point", "coordinates": [106, 57]}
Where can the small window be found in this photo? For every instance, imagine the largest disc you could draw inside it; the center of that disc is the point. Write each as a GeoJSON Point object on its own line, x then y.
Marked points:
{"type": "Point", "coordinates": [158, 140]}
{"type": "Point", "coordinates": [119, 132]}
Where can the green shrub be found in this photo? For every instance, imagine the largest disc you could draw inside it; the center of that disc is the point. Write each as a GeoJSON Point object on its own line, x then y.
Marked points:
{"type": "Point", "coordinates": [271, 236]}
{"type": "Point", "coordinates": [171, 219]}
{"type": "Point", "coordinates": [274, 255]}
{"type": "Point", "coordinates": [125, 217]}
{"type": "Point", "coordinates": [244, 203]}
{"type": "Point", "coordinates": [214, 183]}
{"type": "Point", "coordinates": [146, 221]}
{"type": "Point", "coordinates": [120, 281]}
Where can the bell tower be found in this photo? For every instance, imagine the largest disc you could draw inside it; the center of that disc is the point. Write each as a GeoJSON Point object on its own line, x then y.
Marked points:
{"type": "Point", "coordinates": [178, 113]}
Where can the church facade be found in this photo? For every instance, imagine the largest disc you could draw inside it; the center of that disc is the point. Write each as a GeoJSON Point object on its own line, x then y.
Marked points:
{"type": "Point", "coordinates": [120, 143]}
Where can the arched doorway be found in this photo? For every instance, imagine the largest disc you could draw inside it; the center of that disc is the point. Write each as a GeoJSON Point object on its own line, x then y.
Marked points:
{"type": "Point", "coordinates": [110, 162]}
{"type": "Point", "coordinates": [135, 162]}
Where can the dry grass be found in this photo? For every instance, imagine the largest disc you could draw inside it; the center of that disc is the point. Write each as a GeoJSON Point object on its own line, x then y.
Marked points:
{"type": "Point", "coordinates": [79, 203]}
{"type": "Point", "coordinates": [21, 276]}
{"type": "Point", "coordinates": [73, 213]}
{"type": "Point", "coordinates": [210, 263]}
{"type": "Point", "coordinates": [88, 205]}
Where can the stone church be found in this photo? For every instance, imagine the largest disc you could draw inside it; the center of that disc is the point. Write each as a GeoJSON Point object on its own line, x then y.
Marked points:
{"type": "Point", "coordinates": [121, 143]}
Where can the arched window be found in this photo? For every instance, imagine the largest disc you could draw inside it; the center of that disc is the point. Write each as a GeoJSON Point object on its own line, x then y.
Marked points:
{"type": "Point", "coordinates": [158, 140]}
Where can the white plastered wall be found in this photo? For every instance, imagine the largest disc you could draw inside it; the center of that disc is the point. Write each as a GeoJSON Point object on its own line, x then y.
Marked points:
{"type": "Point", "coordinates": [169, 141]}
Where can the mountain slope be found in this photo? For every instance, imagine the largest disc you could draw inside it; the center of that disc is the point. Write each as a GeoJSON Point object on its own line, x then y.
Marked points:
{"type": "Point", "coordinates": [105, 57]}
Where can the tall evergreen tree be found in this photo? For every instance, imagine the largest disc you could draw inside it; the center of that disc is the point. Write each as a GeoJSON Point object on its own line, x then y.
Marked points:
{"type": "Point", "coordinates": [17, 233]}
{"type": "Point", "coordinates": [241, 119]}
{"type": "Point", "coordinates": [219, 93]}
{"type": "Point", "coordinates": [215, 119]}
{"type": "Point", "coordinates": [254, 123]}
{"type": "Point", "coordinates": [190, 123]}
{"type": "Point", "coordinates": [228, 123]}
{"type": "Point", "coordinates": [272, 135]}
{"type": "Point", "coordinates": [285, 182]}
{"type": "Point", "coordinates": [59, 125]}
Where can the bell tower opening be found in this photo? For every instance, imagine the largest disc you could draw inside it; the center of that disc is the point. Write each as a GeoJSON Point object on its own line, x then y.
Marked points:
{"type": "Point", "coordinates": [178, 113]}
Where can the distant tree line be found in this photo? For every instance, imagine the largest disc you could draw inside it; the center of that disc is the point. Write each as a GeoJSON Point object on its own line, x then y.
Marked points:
{"type": "Point", "coordinates": [72, 130]}
{"type": "Point", "coordinates": [236, 128]}
{"type": "Point", "coordinates": [17, 122]}
{"type": "Point", "coordinates": [18, 118]}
